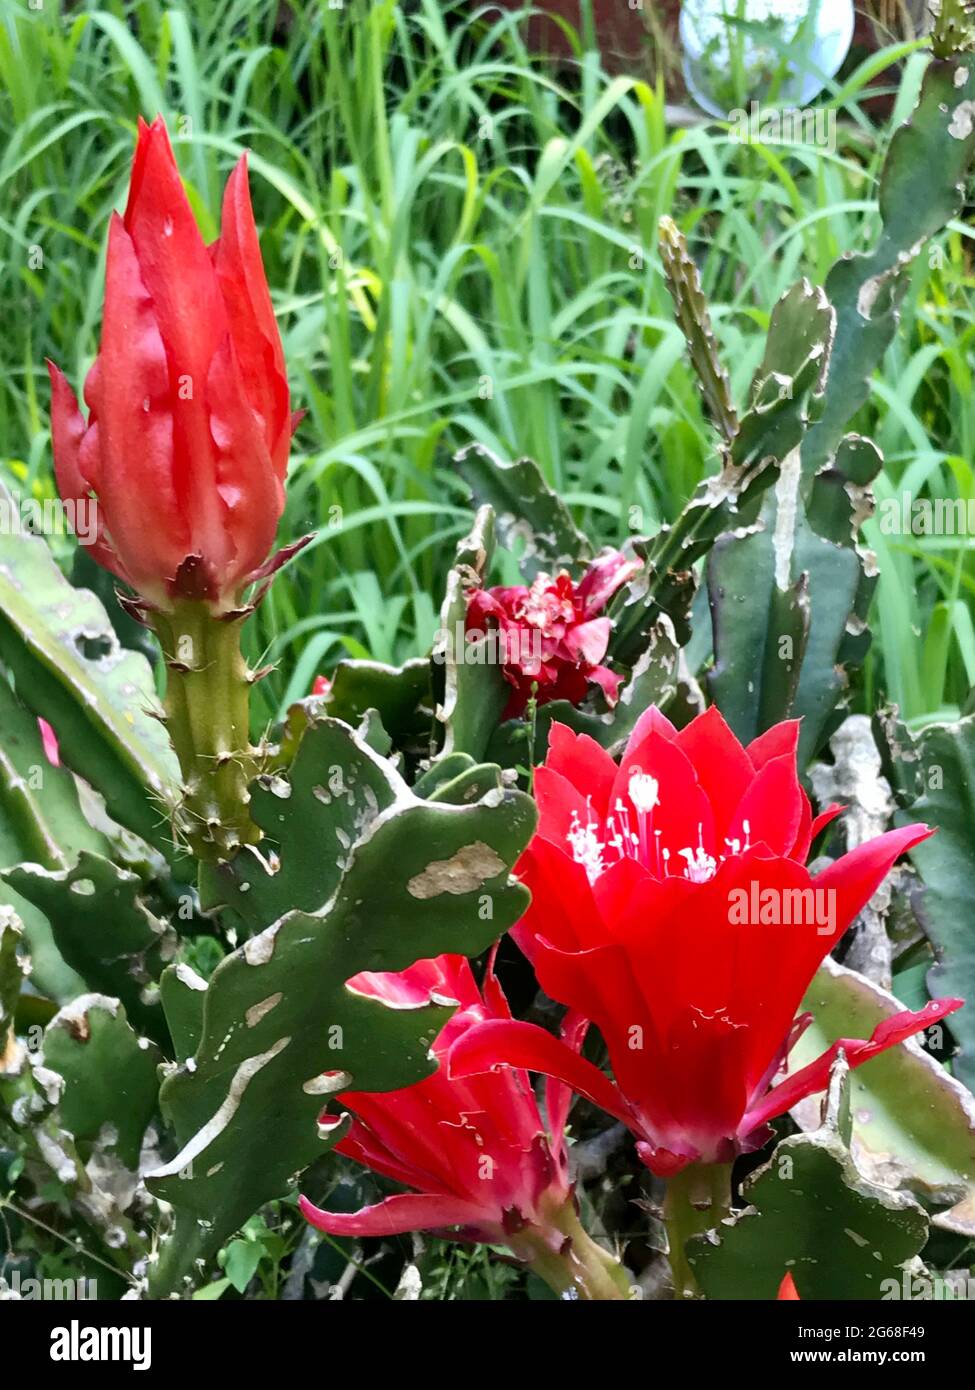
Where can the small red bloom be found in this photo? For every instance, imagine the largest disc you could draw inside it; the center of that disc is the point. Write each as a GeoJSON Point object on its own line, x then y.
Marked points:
{"type": "Point", "coordinates": [475, 1152]}
{"type": "Point", "coordinates": [551, 634]}
{"type": "Point", "coordinates": [321, 686]}
{"type": "Point", "coordinates": [186, 444]}
{"type": "Point", "coordinates": [671, 907]}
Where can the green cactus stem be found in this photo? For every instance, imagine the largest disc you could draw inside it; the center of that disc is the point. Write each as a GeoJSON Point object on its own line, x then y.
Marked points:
{"type": "Point", "coordinates": [697, 1200]}
{"type": "Point", "coordinates": [208, 717]}
{"type": "Point", "coordinates": [579, 1269]}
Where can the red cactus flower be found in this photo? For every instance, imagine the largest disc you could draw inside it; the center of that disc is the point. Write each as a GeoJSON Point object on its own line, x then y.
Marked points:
{"type": "Point", "coordinates": [476, 1152]}
{"type": "Point", "coordinates": [551, 634]}
{"type": "Point", "coordinates": [671, 906]}
{"type": "Point", "coordinates": [321, 686]}
{"type": "Point", "coordinates": [186, 445]}
{"type": "Point", "coordinates": [787, 1290]}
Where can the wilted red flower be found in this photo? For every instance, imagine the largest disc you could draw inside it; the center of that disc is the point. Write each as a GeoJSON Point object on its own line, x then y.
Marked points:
{"type": "Point", "coordinates": [476, 1152]}
{"type": "Point", "coordinates": [550, 634]}
{"type": "Point", "coordinates": [186, 443]}
{"type": "Point", "coordinates": [671, 907]}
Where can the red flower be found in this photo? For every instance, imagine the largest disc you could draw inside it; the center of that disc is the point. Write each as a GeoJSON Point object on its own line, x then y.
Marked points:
{"type": "Point", "coordinates": [550, 635]}
{"type": "Point", "coordinates": [662, 895]}
{"type": "Point", "coordinates": [476, 1152]}
{"type": "Point", "coordinates": [322, 685]}
{"type": "Point", "coordinates": [186, 443]}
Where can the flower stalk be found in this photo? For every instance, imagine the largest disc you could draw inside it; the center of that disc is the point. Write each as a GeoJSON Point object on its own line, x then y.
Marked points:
{"type": "Point", "coordinates": [697, 1198]}
{"type": "Point", "coordinates": [208, 717]}
{"type": "Point", "coordinates": [579, 1268]}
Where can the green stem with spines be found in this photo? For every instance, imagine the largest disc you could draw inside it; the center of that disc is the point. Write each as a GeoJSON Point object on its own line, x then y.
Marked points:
{"type": "Point", "coordinates": [566, 1257]}
{"type": "Point", "coordinates": [697, 1199]}
{"type": "Point", "coordinates": [207, 708]}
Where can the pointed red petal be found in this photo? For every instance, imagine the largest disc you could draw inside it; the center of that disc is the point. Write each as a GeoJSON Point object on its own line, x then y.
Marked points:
{"type": "Point", "coordinates": [407, 1211]}
{"type": "Point", "coordinates": [815, 1076]}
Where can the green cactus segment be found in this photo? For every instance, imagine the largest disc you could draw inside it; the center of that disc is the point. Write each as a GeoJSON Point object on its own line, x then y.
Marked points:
{"type": "Point", "coordinates": [788, 603]}
{"type": "Point", "coordinates": [336, 789]}
{"type": "Point", "coordinates": [912, 1125]}
{"type": "Point", "coordinates": [110, 1074]}
{"type": "Point", "coordinates": [182, 991]}
{"type": "Point", "coordinates": [532, 520]}
{"type": "Point", "coordinates": [813, 1214]}
{"type": "Point", "coordinates": [422, 878]}
{"type": "Point", "coordinates": [921, 190]}
{"type": "Point", "coordinates": [786, 386]}
{"type": "Point", "coordinates": [11, 979]}
{"type": "Point", "coordinates": [474, 693]}
{"type": "Point", "coordinates": [41, 821]}
{"type": "Point", "coordinates": [936, 776]}
{"type": "Point", "coordinates": [69, 668]}
{"type": "Point", "coordinates": [401, 695]}
{"type": "Point", "coordinates": [104, 931]}
{"type": "Point", "coordinates": [694, 321]}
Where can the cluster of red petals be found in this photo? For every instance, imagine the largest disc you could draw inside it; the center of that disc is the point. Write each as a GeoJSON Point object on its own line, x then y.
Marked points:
{"type": "Point", "coordinates": [186, 444]}
{"type": "Point", "coordinates": [475, 1152]}
{"type": "Point", "coordinates": [633, 872]}
{"type": "Point", "coordinates": [551, 636]}
{"type": "Point", "coordinates": [321, 685]}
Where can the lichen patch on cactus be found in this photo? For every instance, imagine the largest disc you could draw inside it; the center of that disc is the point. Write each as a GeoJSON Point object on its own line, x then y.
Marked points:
{"type": "Point", "coordinates": [463, 872]}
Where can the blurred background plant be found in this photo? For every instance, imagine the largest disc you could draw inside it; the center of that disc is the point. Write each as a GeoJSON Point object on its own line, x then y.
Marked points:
{"type": "Point", "coordinates": [460, 235]}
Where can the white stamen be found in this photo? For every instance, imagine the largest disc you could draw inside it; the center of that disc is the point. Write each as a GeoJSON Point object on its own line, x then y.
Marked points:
{"type": "Point", "coordinates": [700, 865]}
{"type": "Point", "coordinates": [644, 791]}
{"type": "Point", "coordinates": [587, 848]}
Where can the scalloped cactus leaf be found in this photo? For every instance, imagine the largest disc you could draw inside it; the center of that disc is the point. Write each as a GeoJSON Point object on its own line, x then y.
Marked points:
{"type": "Point", "coordinates": [110, 1075]}
{"type": "Point", "coordinates": [281, 1029]}
{"type": "Point", "coordinates": [921, 190]}
{"type": "Point", "coordinates": [40, 820]}
{"type": "Point", "coordinates": [401, 694]}
{"type": "Point", "coordinates": [789, 602]}
{"type": "Point", "coordinates": [69, 668]}
{"type": "Point", "coordinates": [11, 979]}
{"type": "Point", "coordinates": [104, 931]}
{"type": "Point", "coordinates": [814, 1214]}
{"type": "Point", "coordinates": [936, 774]}
{"type": "Point", "coordinates": [786, 388]}
{"type": "Point", "coordinates": [336, 788]}
{"type": "Point", "coordinates": [530, 517]}
{"type": "Point", "coordinates": [912, 1124]}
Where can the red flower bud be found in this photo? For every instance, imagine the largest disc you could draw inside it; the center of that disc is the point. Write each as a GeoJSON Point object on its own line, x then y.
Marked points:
{"type": "Point", "coordinates": [186, 445]}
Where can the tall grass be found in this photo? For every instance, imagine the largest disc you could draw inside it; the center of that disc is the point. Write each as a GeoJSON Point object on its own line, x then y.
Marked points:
{"type": "Point", "coordinates": [460, 242]}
